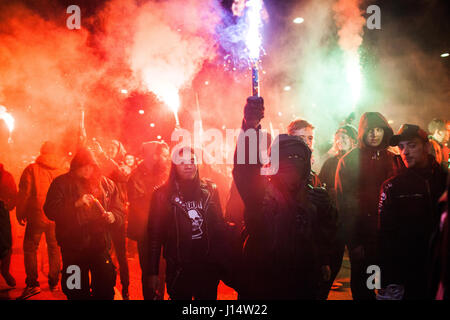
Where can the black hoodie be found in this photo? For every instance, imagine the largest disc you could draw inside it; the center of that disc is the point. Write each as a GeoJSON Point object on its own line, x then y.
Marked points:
{"type": "Point", "coordinates": [359, 176]}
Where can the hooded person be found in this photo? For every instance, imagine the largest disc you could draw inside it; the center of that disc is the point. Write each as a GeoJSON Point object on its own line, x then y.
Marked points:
{"type": "Point", "coordinates": [33, 186]}
{"type": "Point", "coordinates": [150, 174]}
{"type": "Point", "coordinates": [359, 176]}
{"type": "Point", "coordinates": [285, 253]}
{"type": "Point", "coordinates": [84, 204]}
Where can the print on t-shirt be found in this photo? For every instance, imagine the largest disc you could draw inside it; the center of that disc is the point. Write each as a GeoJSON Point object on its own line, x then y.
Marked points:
{"type": "Point", "coordinates": [194, 211]}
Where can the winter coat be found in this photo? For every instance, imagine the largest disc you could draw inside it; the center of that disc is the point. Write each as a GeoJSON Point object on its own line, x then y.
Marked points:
{"type": "Point", "coordinates": [8, 196]}
{"type": "Point", "coordinates": [141, 185]}
{"type": "Point", "coordinates": [408, 215]}
{"type": "Point", "coordinates": [359, 176]}
{"type": "Point", "coordinates": [33, 187]}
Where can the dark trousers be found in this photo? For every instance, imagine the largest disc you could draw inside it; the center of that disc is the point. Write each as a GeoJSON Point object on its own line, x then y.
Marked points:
{"type": "Point", "coordinates": [102, 274]}
{"type": "Point", "coordinates": [147, 292]}
{"type": "Point", "coordinates": [118, 235]}
{"type": "Point", "coordinates": [30, 246]}
{"type": "Point", "coordinates": [196, 280]}
{"type": "Point", "coordinates": [5, 263]}
{"type": "Point", "coordinates": [359, 276]}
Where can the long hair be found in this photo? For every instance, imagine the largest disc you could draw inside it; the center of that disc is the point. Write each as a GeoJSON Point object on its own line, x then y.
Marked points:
{"type": "Point", "coordinates": [173, 180]}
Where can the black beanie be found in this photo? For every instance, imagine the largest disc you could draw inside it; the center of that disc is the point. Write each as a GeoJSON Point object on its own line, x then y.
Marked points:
{"type": "Point", "coordinates": [350, 131]}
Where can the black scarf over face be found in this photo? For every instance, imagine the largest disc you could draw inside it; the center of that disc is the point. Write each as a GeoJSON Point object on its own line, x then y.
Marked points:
{"type": "Point", "coordinates": [294, 158]}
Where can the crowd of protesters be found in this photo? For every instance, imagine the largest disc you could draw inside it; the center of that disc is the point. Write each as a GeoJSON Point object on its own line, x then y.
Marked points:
{"type": "Point", "coordinates": [381, 196]}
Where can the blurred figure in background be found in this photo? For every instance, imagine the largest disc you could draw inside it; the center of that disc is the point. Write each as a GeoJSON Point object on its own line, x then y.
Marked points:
{"type": "Point", "coordinates": [439, 136]}
{"type": "Point", "coordinates": [33, 187]}
{"type": "Point", "coordinates": [84, 204]}
{"type": "Point", "coordinates": [345, 139]}
{"type": "Point", "coordinates": [8, 197]}
{"type": "Point", "coordinates": [151, 173]}
{"type": "Point", "coordinates": [130, 163]}
{"type": "Point", "coordinates": [439, 273]}
{"type": "Point", "coordinates": [112, 165]}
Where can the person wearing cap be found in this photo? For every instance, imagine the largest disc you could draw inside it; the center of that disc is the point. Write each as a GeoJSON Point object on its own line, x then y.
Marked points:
{"type": "Point", "coordinates": [149, 174]}
{"type": "Point", "coordinates": [439, 138]}
{"type": "Point", "coordinates": [408, 214]}
{"type": "Point", "coordinates": [345, 139]}
{"type": "Point", "coordinates": [33, 186]}
{"type": "Point", "coordinates": [285, 255]}
{"type": "Point", "coordinates": [84, 205]}
{"type": "Point", "coordinates": [359, 176]}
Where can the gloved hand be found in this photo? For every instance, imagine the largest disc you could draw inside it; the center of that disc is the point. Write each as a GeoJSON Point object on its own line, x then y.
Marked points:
{"type": "Point", "coordinates": [253, 111]}
{"type": "Point", "coordinates": [319, 197]}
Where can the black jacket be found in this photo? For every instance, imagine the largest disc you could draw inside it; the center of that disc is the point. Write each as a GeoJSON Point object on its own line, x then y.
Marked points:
{"type": "Point", "coordinates": [170, 227]}
{"type": "Point", "coordinates": [408, 214]}
{"type": "Point", "coordinates": [287, 239]}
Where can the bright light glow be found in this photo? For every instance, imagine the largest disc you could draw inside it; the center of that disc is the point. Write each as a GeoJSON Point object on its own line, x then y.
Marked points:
{"type": "Point", "coordinates": [390, 121]}
{"type": "Point", "coordinates": [152, 125]}
{"type": "Point", "coordinates": [124, 91]}
{"type": "Point", "coordinates": [158, 137]}
{"type": "Point", "coordinates": [280, 114]}
{"type": "Point", "coordinates": [254, 38]}
{"type": "Point", "coordinates": [141, 111]}
{"type": "Point", "coordinates": [298, 20]}
{"type": "Point", "coordinates": [354, 77]}
{"type": "Point", "coordinates": [8, 118]}
{"type": "Point", "coordinates": [287, 88]}
{"type": "Point", "coordinates": [206, 83]}
{"type": "Point", "coordinates": [169, 95]}
{"type": "Point", "coordinates": [444, 55]}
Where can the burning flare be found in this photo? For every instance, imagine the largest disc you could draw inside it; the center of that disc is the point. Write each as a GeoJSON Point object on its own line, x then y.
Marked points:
{"type": "Point", "coordinates": [254, 38]}
{"type": "Point", "coordinates": [8, 118]}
